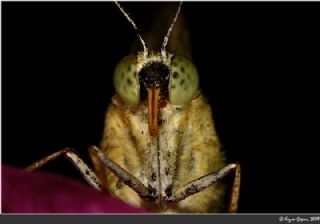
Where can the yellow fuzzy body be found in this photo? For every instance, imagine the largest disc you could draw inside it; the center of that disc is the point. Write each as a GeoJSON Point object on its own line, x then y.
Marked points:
{"type": "Point", "coordinates": [186, 148]}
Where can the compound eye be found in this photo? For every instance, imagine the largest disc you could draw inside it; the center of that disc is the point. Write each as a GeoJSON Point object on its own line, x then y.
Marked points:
{"type": "Point", "coordinates": [184, 81]}
{"type": "Point", "coordinates": [125, 80]}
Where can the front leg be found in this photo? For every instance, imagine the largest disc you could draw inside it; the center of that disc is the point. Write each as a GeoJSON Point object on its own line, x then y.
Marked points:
{"type": "Point", "coordinates": [146, 193]}
{"type": "Point", "coordinates": [70, 154]}
{"type": "Point", "coordinates": [206, 181]}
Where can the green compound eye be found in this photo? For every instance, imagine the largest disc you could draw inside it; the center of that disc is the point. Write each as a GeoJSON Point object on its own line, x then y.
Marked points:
{"type": "Point", "coordinates": [125, 80]}
{"type": "Point", "coordinates": [184, 81]}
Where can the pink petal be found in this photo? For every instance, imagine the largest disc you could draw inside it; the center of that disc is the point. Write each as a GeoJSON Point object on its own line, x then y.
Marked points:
{"type": "Point", "coordinates": [39, 192]}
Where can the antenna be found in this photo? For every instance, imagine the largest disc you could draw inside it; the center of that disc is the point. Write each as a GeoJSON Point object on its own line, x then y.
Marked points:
{"type": "Point", "coordinates": [166, 38]}
{"type": "Point", "coordinates": [145, 50]}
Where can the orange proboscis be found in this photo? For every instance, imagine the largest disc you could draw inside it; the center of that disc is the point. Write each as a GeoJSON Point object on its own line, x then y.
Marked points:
{"type": "Point", "coordinates": [153, 109]}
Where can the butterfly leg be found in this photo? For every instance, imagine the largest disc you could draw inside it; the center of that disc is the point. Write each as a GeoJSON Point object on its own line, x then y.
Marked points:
{"type": "Point", "coordinates": [208, 180]}
{"type": "Point", "coordinates": [235, 193]}
{"type": "Point", "coordinates": [144, 192]}
{"type": "Point", "coordinates": [72, 155]}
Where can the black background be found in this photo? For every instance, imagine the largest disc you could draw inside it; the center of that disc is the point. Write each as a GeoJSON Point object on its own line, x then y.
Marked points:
{"type": "Point", "coordinates": [258, 64]}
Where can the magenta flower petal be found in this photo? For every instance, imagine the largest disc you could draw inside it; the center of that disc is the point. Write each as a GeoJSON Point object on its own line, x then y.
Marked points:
{"type": "Point", "coordinates": [40, 192]}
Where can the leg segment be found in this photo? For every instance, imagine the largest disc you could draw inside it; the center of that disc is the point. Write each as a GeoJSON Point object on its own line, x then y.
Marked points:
{"type": "Point", "coordinates": [201, 183]}
{"type": "Point", "coordinates": [70, 154]}
{"type": "Point", "coordinates": [235, 193]}
{"type": "Point", "coordinates": [127, 178]}
{"type": "Point", "coordinates": [206, 181]}
{"type": "Point", "coordinates": [99, 168]}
